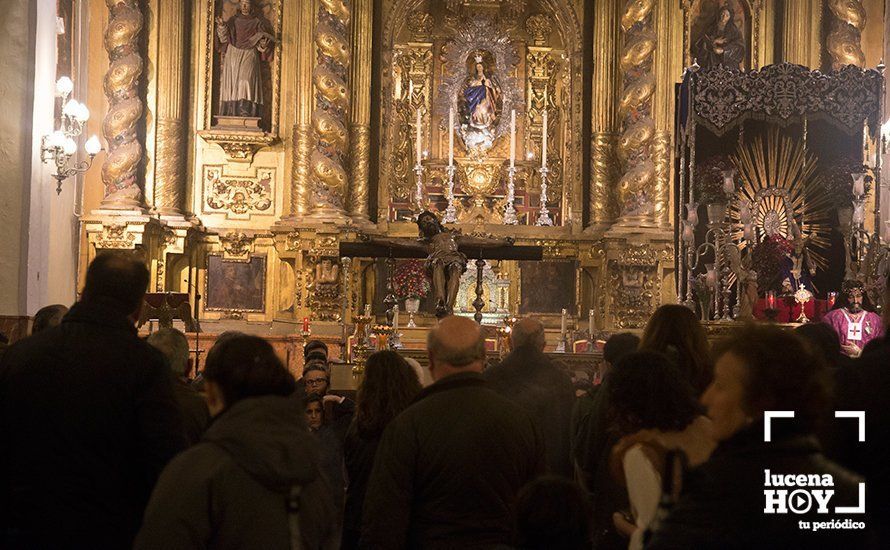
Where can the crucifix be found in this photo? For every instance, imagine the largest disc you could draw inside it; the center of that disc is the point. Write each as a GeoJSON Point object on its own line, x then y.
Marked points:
{"type": "Point", "coordinates": [446, 252]}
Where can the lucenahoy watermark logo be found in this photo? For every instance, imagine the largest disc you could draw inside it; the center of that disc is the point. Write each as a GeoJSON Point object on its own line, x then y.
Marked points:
{"type": "Point", "coordinates": [788, 493]}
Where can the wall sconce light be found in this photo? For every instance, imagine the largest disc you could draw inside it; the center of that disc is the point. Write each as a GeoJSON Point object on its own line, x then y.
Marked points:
{"type": "Point", "coordinates": [60, 146]}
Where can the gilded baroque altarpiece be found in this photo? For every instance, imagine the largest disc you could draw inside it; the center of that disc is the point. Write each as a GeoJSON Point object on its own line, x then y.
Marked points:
{"type": "Point", "coordinates": [322, 144]}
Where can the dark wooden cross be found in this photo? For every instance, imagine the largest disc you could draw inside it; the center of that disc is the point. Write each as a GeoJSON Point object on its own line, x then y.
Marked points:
{"type": "Point", "coordinates": [480, 254]}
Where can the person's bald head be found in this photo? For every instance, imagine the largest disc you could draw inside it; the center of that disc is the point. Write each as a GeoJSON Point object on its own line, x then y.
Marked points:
{"type": "Point", "coordinates": [528, 333]}
{"type": "Point", "coordinates": [455, 345]}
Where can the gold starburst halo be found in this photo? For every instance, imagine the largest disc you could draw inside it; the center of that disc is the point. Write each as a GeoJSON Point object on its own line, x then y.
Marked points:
{"type": "Point", "coordinates": [781, 179]}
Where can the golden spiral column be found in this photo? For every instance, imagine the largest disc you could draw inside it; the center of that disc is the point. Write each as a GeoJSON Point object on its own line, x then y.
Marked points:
{"type": "Point", "coordinates": [360, 127]}
{"type": "Point", "coordinates": [171, 143]}
{"type": "Point", "coordinates": [330, 156]}
{"type": "Point", "coordinates": [606, 38]}
{"type": "Point", "coordinates": [845, 35]}
{"type": "Point", "coordinates": [120, 172]}
{"type": "Point", "coordinates": [635, 145]}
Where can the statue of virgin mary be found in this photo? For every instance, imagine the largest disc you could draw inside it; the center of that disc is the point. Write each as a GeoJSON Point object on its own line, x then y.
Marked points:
{"type": "Point", "coordinates": [479, 106]}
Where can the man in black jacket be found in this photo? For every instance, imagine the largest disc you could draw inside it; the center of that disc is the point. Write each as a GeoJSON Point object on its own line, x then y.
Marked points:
{"type": "Point", "coordinates": [173, 344]}
{"type": "Point", "coordinates": [449, 467]}
{"type": "Point", "coordinates": [87, 420]}
{"type": "Point", "coordinates": [531, 380]}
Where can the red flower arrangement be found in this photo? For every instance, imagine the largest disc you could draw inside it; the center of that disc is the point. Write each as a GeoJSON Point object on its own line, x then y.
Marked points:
{"type": "Point", "coordinates": [410, 280]}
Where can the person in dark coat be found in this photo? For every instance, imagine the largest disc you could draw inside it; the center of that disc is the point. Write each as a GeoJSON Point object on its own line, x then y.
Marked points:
{"type": "Point", "coordinates": [449, 467]}
{"type": "Point", "coordinates": [330, 449]}
{"type": "Point", "coordinates": [723, 502]}
{"type": "Point", "coordinates": [253, 481]}
{"type": "Point", "coordinates": [88, 420]}
{"type": "Point", "coordinates": [388, 387]}
{"type": "Point", "coordinates": [175, 347]}
{"type": "Point", "coordinates": [48, 317]}
{"type": "Point", "coordinates": [316, 380]}
{"type": "Point", "coordinates": [531, 380]}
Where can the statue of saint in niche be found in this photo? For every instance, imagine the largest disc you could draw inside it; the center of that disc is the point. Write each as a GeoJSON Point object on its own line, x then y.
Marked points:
{"type": "Point", "coordinates": [721, 42]}
{"type": "Point", "coordinates": [480, 105]}
{"type": "Point", "coordinates": [245, 41]}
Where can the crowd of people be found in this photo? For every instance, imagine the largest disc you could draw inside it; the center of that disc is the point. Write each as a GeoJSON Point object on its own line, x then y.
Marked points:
{"type": "Point", "coordinates": [110, 440]}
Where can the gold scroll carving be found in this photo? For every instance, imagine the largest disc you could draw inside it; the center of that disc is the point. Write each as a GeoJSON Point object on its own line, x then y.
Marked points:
{"type": "Point", "coordinates": [412, 92]}
{"type": "Point", "coordinates": [329, 158]}
{"type": "Point", "coordinates": [120, 169]}
{"type": "Point", "coordinates": [635, 111]}
{"type": "Point", "coordinates": [844, 40]}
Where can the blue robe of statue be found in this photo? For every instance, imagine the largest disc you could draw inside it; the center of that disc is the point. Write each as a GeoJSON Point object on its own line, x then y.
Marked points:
{"type": "Point", "coordinates": [474, 96]}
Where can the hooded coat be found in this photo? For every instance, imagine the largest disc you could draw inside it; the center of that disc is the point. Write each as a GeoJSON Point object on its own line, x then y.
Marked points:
{"type": "Point", "coordinates": [231, 490]}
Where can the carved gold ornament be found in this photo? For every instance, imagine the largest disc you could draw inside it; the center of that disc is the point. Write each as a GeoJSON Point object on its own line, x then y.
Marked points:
{"type": "Point", "coordinates": [238, 196]}
{"type": "Point", "coordinates": [539, 28]}
{"type": "Point", "coordinates": [120, 169]}
{"type": "Point", "coordinates": [844, 41]}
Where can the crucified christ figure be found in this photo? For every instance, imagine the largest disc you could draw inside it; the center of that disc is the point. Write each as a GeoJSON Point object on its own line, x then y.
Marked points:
{"type": "Point", "coordinates": [445, 263]}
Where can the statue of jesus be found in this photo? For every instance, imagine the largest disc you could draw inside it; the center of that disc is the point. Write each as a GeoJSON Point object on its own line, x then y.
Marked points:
{"type": "Point", "coordinates": [445, 263]}
{"type": "Point", "coordinates": [855, 326]}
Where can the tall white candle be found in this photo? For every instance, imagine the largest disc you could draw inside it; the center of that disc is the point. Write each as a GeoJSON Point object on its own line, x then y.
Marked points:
{"type": "Point", "coordinates": [513, 138]}
{"type": "Point", "coordinates": [367, 310]}
{"type": "Point", "coordinates": [417, 148]}
{"type": "Point", "coordinates": [562, 324]}
{"type": "Point", "coordinates": [590, 324]}
{"type": "Point", "coordinates": [395, 319]}
{"type": "Point", "coordinates": [451, 136]}
{"type": "Point", "coordinates": [544, 141]}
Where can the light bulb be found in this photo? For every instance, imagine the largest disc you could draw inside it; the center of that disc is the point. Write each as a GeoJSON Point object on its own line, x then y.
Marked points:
{"type": "Point", "coordinates": [83, 113]}
{"type": "Point", "coordinates": [56, 139]}
{"type": "Point", "coordinates": [71, 108]}
{"type": "Point", "coordinates": [93, 145]}
{"type": "Point", "coordinates": [530, 155]}
{"type": "Point", "coordinates": [64, 86]}
{"type": "Point", "coordinates": [69, 147]}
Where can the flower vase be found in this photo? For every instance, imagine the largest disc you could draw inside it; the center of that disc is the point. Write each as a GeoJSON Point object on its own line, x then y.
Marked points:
{"type": "Point", "coordinates": [412, 306]}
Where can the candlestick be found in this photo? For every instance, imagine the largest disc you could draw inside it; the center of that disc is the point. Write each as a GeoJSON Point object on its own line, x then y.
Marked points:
{"type": "Point", "coordinates": [450, 210]}
{"type": "Point", "coordinates": [544, 214]}
{"type": "Point", "coordinates": [509, 209]}
{"type": "Point", "coordinates": [450, 136]}
{"type": "Point", "coordinates": [561, 345]}
{"type": "Point", "coordinates": [396, 341]}
{"type": "Point", "coordinates": [544, 140]}
{"type": "Point", "coordinates": [418, 150]}
{"type": "Point", "coordinates": [513, 138]}
{"type": "Point", "coordinates": [306, 324]}
{"type": "Point", "coordinates": [590, 326]}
